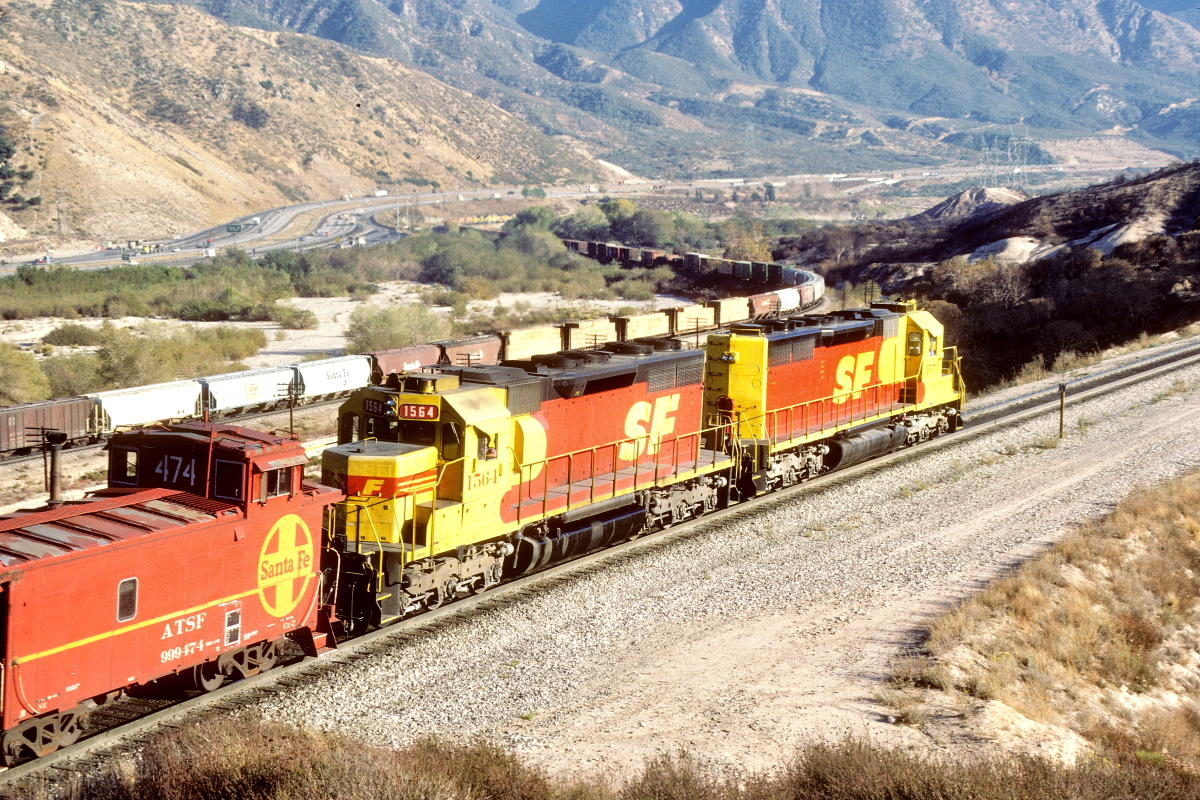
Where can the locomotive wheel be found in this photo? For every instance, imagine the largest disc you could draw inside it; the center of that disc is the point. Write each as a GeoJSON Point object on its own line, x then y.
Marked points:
{"type": "Point", "coordinates": [207, 677]}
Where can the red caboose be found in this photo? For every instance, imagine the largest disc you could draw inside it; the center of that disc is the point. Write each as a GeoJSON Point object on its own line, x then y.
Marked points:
{"type": "Point", "coordinates": [200, 557]}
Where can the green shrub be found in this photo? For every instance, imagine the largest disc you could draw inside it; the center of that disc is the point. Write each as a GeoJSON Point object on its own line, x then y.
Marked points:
{"type": "Point", "coordinates": [21, 379]}
{"type": "Point", "coordinates": [388, 327]}
{"type": "Point", "coordinates": [74, 335]}
{"type": "Point", "coordinates": [72, 375]}
{"type": "Point", "coordinates": [294, 319]}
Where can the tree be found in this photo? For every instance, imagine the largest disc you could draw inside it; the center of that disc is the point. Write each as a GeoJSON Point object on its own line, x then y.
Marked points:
{"type": "Point", "coordinates": [745, 241]}
{"type": "Point", "coordinates": [534, 216]}
{"type": "Point", "coordinates": [769, 192]}
{"type": "Point", "coordinates": [645, 228]}
{"type": "Point", "coordinates": [588, 224]}
{"type": "Point", "coordinates": [72, 375]}
{"type": "Point", "coordinates": [389, 327]}
{"type": "Point", "coordinates": [21, 379]}
{"type": "Point", "coordinates": [617, 208]}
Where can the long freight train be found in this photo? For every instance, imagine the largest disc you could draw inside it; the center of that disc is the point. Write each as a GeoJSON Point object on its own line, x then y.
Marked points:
{"type": "Point", "coordinates": [94, 417]}
{"type": "Point", "coordinates": [209, 548]}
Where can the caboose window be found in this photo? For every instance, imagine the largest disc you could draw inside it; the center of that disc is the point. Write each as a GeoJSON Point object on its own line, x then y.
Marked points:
{"type": "Point", "coordinates": [127, 600]}
{"type": "Point", "coordinates": [122, 466]}
{"type": "Point", "coordinates": [227, 480]}
{"type": "Point", "coordinates": [277, 482]}
{"type": "Point", "coordinates": [233, 626]}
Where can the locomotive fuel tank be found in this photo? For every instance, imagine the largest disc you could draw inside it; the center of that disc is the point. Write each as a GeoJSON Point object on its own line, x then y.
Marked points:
{"type": "Point", "coordinates": [844, 451]}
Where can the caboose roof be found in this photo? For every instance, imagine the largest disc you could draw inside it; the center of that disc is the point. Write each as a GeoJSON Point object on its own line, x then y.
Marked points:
{"type": "Point", "coordinates": [111, 516]}
{"type": "Point", "coordinates": [225, 437]}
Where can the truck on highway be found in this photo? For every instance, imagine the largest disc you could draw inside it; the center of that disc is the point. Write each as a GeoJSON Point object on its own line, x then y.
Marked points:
{"type": "Point", "coordinates": [381, 192]}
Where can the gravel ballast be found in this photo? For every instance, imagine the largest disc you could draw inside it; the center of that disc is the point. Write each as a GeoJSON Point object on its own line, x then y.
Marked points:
{"type": "Point", "coordinates": [743, 641]}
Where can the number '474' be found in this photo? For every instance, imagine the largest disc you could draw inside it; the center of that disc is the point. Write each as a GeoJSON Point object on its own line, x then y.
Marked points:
{"type": "Point", "coordinates": [172, 468]}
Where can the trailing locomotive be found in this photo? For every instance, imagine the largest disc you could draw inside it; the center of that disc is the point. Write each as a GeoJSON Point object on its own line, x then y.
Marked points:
{"type": "Point", "coordinates": [459, 476]}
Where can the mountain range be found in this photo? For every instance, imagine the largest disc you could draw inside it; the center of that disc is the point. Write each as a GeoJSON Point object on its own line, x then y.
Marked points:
{"type": "Point", "coordinates": [128, 119]}
{"type": "Point", "coordinates": [134, 121]}
{"type": "Point", "coordinates": [729, 86]}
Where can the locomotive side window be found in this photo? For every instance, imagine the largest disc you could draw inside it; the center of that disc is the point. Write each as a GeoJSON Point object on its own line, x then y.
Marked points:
{"type": "Point", "coordinates": [451, 441]}
{"type": "Point", "coordinates": [914, 343]}
{"type": "Point", "coordinates": [227, 480]}
{"type": "Point", "coordinates": [932, 345]}
{"type": "Point", "coordinates": [127, 599]}
{"type": "Point", "coordinates": [122, 466]}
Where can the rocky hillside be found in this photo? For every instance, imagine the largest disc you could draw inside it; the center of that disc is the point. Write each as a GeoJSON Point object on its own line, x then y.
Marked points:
{"type": "Point", "coordinates": [728, 86]}
{"type": "Point", "coordinates": [131, 120]}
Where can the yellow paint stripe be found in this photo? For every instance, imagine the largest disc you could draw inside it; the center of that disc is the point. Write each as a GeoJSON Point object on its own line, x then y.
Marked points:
{"type": "Point", "coordinates": [119, 631]}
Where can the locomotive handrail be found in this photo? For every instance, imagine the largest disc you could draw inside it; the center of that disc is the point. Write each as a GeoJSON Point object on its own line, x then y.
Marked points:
{"type": "Point", "coordinates": [845, 413]}
{"type": "Point", "coordinates": [667, 453]}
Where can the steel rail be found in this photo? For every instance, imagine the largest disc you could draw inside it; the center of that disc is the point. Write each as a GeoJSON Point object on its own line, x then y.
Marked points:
{"type": "Point", "coordinates": [85, 755]}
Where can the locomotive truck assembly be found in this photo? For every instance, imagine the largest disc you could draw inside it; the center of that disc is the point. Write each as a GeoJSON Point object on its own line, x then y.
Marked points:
{"type": "Point", "coordinates": [209, 548]}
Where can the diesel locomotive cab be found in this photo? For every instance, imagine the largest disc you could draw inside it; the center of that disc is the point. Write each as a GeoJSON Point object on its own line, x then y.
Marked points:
{"type": "Point", "coordinates": [404, 454]}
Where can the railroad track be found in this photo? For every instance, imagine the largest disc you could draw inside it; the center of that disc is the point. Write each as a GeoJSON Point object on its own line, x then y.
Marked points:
{"type": "Point", "coordinates": [151, 715]}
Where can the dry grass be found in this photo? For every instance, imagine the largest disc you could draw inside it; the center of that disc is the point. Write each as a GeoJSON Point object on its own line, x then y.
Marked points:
{"type": "Point", "coordinates": [248, 760]}
{"type": "Point", "coordinates": [1073, 634]}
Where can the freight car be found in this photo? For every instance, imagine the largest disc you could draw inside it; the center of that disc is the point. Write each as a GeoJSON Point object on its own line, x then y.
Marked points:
{"type": "Point", "coordinates": [198, 560]}
{"type": "Point", "coordinates": [758, 272]}
{"type": "Point", "coordinates": [459, 476]}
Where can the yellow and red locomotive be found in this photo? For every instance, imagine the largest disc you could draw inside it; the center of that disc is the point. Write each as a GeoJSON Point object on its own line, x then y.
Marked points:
{"type": "Point", "coordinates": [458, 476]}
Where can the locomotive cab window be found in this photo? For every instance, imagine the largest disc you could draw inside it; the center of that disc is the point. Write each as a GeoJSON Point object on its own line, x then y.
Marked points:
{"type": "Point", "coordinates": [385, 430]}
{"type": "Point", "coordinates": [487, 444]}
{"type": "Point", "coordinates": [418, 432]}
{"type": "Point", "coordinates": [227, 480]}
{"type": "Point", "coordinates": [127, 597]}
{"type": "Point", "coordinates": [932, 345]}
{"type": "Point", "coordinates": [451, 441]}
{"type": "Point", "coordinates": [350, 425]}
{"type": "Point", "coordinates": [122, 466]}
{"type": "Point", "coordinates": [914, 343]}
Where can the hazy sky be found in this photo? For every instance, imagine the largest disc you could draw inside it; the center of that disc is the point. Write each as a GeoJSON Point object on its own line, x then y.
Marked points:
{"type": "Point", "coordinates": [1170, 6]}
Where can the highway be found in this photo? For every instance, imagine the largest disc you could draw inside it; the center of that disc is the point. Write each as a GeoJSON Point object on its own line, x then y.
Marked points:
{"type": "Point", "coordinates": [333, 223]}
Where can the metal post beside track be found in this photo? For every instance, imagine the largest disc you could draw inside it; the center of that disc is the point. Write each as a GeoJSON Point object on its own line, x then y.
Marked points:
{"type": "Point", "coordinates": [1062, 407]}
